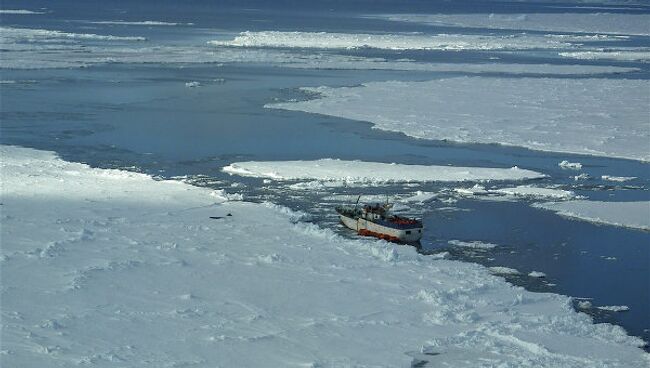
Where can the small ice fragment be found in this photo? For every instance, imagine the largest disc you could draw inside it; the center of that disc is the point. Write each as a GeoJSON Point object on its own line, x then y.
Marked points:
{"type": "Point", "coordinates": [615, 308]}
{"type": "Point", "coordinates": [584, 304]}
{"type": "Point", "coordinates": [619, 179]}
{"type": "Point", "coordinates": [192, 84]}
{"type": "Point", "coordinates": [499, 270]}
{"type": "Point", "coordinates": [537, 274]}
{"type": "Point", "coordinates": [441, 255]}
{"type": "Point", "coordinates": [582, 176]}
{"type": "Point", "coordinates": [570, 165]}
{"type": "Point", "coordinates": [476, 189]}
{"type": "Point", "coordinates": [472, 244]}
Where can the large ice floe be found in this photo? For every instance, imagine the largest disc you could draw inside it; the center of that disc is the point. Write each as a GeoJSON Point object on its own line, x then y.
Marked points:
{"type": "Point", "coordinates": [595, 22]}
{"type": "Point", "coordinates": [372, 172]}
{"type": "Point", "coordinates": [105, 267]}
{"type": "Point", "coordinates": [407, 41]}
{"type": "Point", "coordinates": [605, 117]}
{"type": "Point", "coordinates": [628, 214]}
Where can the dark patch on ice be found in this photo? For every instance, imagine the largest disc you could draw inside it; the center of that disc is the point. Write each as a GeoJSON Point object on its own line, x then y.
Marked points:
{"type": "Point", "coordinates": [420, 358]}
{"type": "Point", "coordinates": [417, 363]}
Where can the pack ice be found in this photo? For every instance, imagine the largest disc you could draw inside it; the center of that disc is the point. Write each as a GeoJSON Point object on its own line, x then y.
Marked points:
{"type": "Point", "coordinates": [110, 268]}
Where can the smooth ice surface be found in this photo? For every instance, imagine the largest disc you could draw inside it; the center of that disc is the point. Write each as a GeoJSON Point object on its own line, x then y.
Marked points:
{"type": "Point", "coordinates": [596, 22]}
{"type": "Point", "coordinates": [325, 40]}
{"type": "Point", "coordinates": [104, 268]}
{"type": "Point", "coordinates": [606, 117]}
{"type": "Point", "coordinates": [628, 214]}
{"type": "Point", "coordinates": [372, 172]}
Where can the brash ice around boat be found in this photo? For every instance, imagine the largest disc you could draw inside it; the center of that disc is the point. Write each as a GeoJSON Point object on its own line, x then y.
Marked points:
{"type": "Point", "coordinates": [376, 220]}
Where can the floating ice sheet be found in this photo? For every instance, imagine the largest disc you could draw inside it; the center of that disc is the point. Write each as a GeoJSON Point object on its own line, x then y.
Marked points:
{"type": "Point", "coordinates": [19, 11]}
{"type": "Point", "coordinates": [536, 192]}
{"type": "Point", "coordinates": [8, 35]}
{"type": "Point", "coordinates": [606, 117]}
{"type": "Point", "coordinates": [325, 40]}
{"type": "Point", "coordinates": [627, 214]}
{"type": "Point", "coordinates": [372, 172]}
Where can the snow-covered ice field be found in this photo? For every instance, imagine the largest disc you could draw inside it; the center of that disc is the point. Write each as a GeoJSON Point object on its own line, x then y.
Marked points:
{"type": "Point", "coordinates": [105, 267]}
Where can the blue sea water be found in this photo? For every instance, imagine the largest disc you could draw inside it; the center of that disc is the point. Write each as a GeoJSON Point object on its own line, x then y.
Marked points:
{"type": "Point", "coordinates": [142, 116]}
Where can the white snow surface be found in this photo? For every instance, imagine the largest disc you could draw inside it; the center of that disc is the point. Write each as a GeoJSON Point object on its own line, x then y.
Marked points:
{"type": "Point", "coordinates": [605, 117]}
{"type": "Point", "coordinates": [627, 214]}
{"type": "Point", "coordinates": [593, 22]}
{"type": "Point", "coordinates": [405, 41]}
{"type": "Point", "coordinates": [372, 172]}
{"type": "Point", "coordinates": [105, 267]}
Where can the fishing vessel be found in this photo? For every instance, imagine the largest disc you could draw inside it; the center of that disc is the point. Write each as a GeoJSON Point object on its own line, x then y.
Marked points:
{"type": "Point", "coordinates": [376, 220]}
